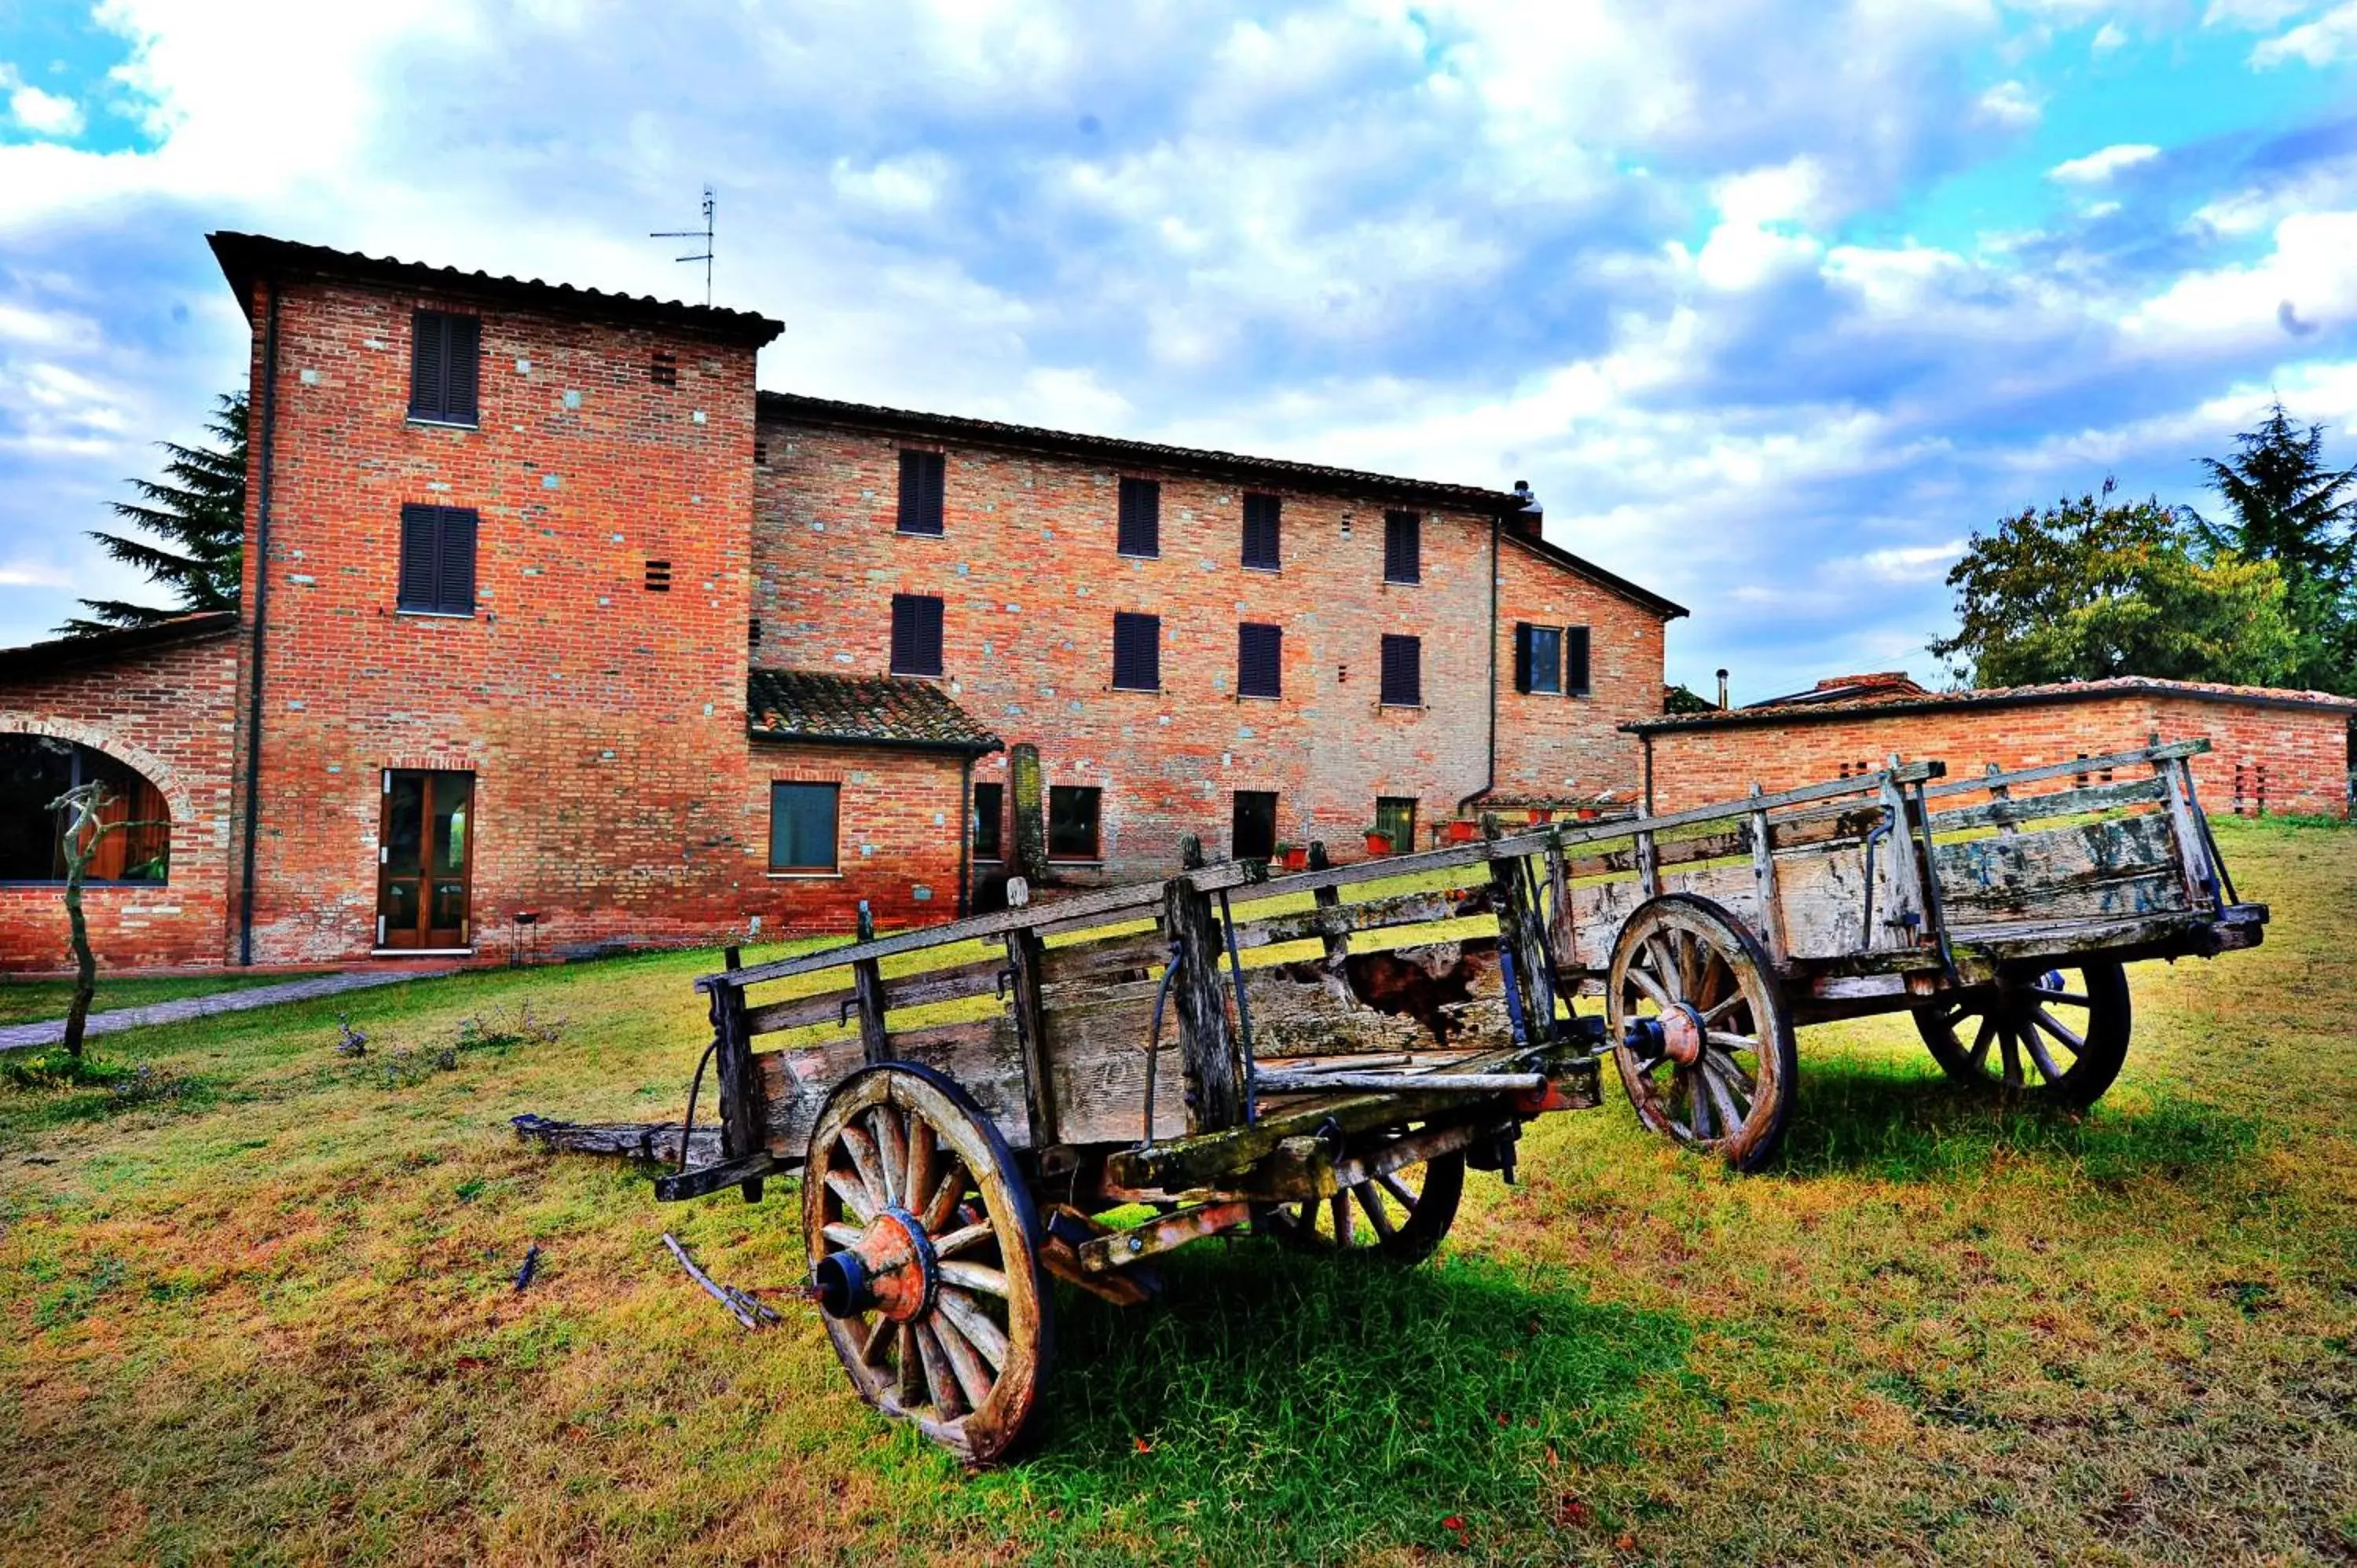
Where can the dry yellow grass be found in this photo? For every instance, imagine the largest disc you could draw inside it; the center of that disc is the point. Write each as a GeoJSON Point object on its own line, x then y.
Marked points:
{"type": "Point", "coordinates": [271, 1320]}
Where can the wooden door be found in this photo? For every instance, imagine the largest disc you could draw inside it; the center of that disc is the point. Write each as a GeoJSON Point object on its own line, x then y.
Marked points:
{"type": "Point", "coordinates": [427, 850]}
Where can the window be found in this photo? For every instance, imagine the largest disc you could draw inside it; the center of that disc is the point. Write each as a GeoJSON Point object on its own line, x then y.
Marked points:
{"type": "Point", "coordinates": [35, 771]}
{"type": "Point", "coordinates": [1141, 516]}
{"type": "Point", "coordinates": [1261, 514]}
{"type": "Point", "coordinates": [1253, 833]}
{"type": "Point", "coordinates": [445, 351]}
{"type": "Point", "coordinates": [1395, 820]}
{"type": "Point", "coordinates": [1259, 661]}
{"type": "Point", "coordinates": [921, 481]}
{"type": "Point", "coordinates": [916, 634]}
{"type": "Point", "coordinates": [1072, 823]}
{"type": "Point", "coordinates": [1538, 658]}
{"type": "Point", "coordinates": [1137, 652]}
{"type": "Point", "coordinates": [1402, 672]}
{"type": "Point", "coordinates": [801, 827]}
{"type": "Point", "coordinates": [753, 632]}
{"type": "Point", "coordinates": [438, 561]}
{"type": "Point", "coordinates": [989, 821]}
{"type": "Point", "coordinates": [1575, 660]}
{"type": "Point", "coordinates": [1402, 547]}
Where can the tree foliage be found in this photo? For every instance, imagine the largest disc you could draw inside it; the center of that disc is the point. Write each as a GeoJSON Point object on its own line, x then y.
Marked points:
{"type": "Point", "coordinates": [2094, 588]}
{"type": "Point", "coordinates": [2285, 505]}
{"type": "Point", "coordinates": [193, 524]}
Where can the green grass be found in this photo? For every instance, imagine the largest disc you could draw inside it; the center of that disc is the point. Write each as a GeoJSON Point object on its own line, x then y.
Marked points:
{"type": "Point", "coordinates": [270, 1318]}
{"type": "Point", "coordinates": [31, 1001]}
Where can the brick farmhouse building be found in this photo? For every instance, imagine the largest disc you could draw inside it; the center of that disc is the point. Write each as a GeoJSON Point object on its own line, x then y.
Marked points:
{"type": "Point", "coordinates": [2272, 751]}
{"type": "Point", "coordinates": [555, 632]}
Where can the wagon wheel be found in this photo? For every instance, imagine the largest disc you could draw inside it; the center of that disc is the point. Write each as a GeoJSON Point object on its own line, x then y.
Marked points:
{"type": "Point", "coordinates": [923, 1240]}
{"type": "Point", "coordinates": [1400, 1214]}
{"type": "Point", "coordinates": [2057, 1034]}
{"type": "Point", "coordinates": [1710, 1062]}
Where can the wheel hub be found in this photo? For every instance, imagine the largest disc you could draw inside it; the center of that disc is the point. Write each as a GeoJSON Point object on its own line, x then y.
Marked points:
{"type": "Point", "coordinates": [892, 1271]}
{"type": "Point", "coordinates": [1682, 1035]}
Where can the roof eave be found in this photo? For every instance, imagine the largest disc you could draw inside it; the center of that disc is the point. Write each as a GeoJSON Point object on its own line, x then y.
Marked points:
{"type": "Point", "coordinates": [952, 748]}
{"type": "Point", "coordinates": [1668, 610]}
{"type": "Point", "coordinates": [1753, 718]}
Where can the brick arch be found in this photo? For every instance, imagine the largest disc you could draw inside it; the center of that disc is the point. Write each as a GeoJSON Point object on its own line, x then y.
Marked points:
{"type": "Point", "coordinates": [154, 768]}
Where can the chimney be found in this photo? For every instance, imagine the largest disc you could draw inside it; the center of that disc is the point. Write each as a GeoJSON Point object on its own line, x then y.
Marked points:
{"type": "Point", "coordinates": [1525, 524]}
{"type": "Point", "coordinates": [1722, 690]}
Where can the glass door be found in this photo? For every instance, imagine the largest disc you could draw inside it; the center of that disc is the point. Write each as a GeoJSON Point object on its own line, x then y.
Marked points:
{"type": "Point", "coordinates": [426, 854]}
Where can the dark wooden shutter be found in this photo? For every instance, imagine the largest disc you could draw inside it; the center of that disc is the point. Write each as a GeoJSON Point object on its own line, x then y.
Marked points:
{"type": "Point", "coordinates": [923, 486]}
{"type": "Point", "coordinates": [445, 358]}
{"type": "Point", "coordinates": [1523, 630]}
{"type": "Point", "coordinates": [455, 571]}
{"type": "Point", "coordinates": [1259, 661]}
{"type": "Point", "coordinates": [1141, 516]}
{"type": "Point", "coordinates": [1262, 546]}
{"type": "Point", "coordinates": [1402, 547]}
{"type": "Point", "coordinates": [419, 527]}
{"type": "Point", "coordinates": [916, 634]}
{"type": "Point", "coordinates": [1403, 671]}
{"type": "Point", "coordinates": [1137, 651]}
{"type": "Point", "coordinates": [466, 363]}
{"type": "Point", "coordinates": [1575, 660]}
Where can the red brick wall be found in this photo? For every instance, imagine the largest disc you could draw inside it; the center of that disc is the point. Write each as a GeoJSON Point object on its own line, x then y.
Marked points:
{"type": "Point", "coordinates": [1557, 746]}
{"type": "Point", "coordinates": [2303, 753]}
{"type": "Point", "coordinates": [171, 714]}
{"type": "Point", "coordinates": [898, 816]}
{"type": "Point", "coordinates": [1030, 575]}
{"type": "Point", "coordinates": [605, 724]}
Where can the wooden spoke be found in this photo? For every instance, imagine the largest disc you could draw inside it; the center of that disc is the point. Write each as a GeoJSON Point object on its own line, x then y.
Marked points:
{"type": "Point", "coordinates": [1698, 1103]}
{"type": "Point", "coordinates": [965, 1363]}
{"type": "Point", "coordinates": [2017, 1012]}
{"type": "Point", "coordinates": [966, 1312]}
{"type": "Point", "coordinates": [1398, 1189]}
{"type": "Point", "coordinates": [911, 1370]}
{"type": "Point", "coordinates": [879, 1334]}
{"type": "Point", "coordinates": [2037, 1053]}
{"type": "Point", "coordinates": [919, 1184]}
{"type": "Point", "coordinates": [1981, 1041]}
{"type": "Point", "coordinates": [2008, 1044]}
{"type": "Point", "coordinates": [942, 1207]}
{"type": "Point", "coordinates": [1344, 1227]}
{"type": "Point", "coordinates": [948, 1397]}
{"type": "Point", "coordinates": [1726, 1041]}
{"type": "Point", "coordinates": [892, 1149]}
{"type": "Point", "coordinates": [854, 1196]}
{"type": "Point", "coordinates": [973, 1277]}
{"type": "Point", "coordinates": [1371, 1199]}
{"type": "Point", "coordinates": [2047, 1020]}
{"type": "Point", "coordinates": [959, 1240]}
{"type": "Point", "coordinates": [1722, 1104]}
{"type": "Point", "coordinates": [862, 1149]}
{"type": "Point", "coordinates": [845, 1235]}
{"type": "Point", "coordinates": [1712, 1014]}
{"type": "Point", "coordinates": [1651, 988]}
{"type": "Point", "coordinates": [2075, 998]}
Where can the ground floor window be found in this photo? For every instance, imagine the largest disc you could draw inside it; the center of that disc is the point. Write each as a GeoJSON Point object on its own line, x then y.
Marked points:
{"type": "Point", "coordinates": [35, 770]}
{"type": "Point", "coordinates": [802, 827]}
{"type": "Point", "coordinates": [426, 860]}
{"type": "Point", "coordinates": [1252, 833]}
{"type": "Point", "coordinates": [989, 821]}
{"type": "Point", "coordinates": [1072, 820]}
{"type": "Point", "coordinates": [1395, 820]}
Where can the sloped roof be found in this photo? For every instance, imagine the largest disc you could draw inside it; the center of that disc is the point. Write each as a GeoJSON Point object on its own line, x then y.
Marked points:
{"type": "Point", "coordinates": [35, 661]}
{"type": "Point", "coordinates": [1803, 712]}
{"type": "Point", "coordinates": [810, 705]}
{"type": "Point", "coordinates": [1556, 555]}
{"type": "Point", "coordinates": [244, 257]}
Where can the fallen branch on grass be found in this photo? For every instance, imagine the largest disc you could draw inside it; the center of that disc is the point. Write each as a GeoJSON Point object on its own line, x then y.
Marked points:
{"type": "Point", "coordinates": [752, 1314]}
{"type": "Point", "coordinates": [656, 1141]}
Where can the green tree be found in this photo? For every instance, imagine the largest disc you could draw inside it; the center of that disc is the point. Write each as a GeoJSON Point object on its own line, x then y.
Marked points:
{"type": "Point", "coordinates": [195, 520]}
{"type": "Point", "coordinates": [2094, 588]}
{"type": "Point", "coordinates": [2285, 505]}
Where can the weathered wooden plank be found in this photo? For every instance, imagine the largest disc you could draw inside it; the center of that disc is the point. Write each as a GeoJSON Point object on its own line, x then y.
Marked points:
{"type": "Point", "coordinates": [1028, 1016]}
{"type": "Point", "coordinates": [2010, 810]}
{"type": "Point", "coordinates": [1521, 934]}
{"type": "Point", "coordinates": [1772, 922]}
{"type": "Point", "coordinates": [1112, 956]}
{"type": "Point", "coordinates": [980, 978]}
{"type": "Point", "coordinates": [1096, 1067]}
{"type": "Point", "coordinates": [1207, 1040]}
{"type": "Point", "coordinates": [801, 1012]}
{"type": "Point", "coordinates": [2124, 866]}
{"type": "Point", "coordinates": [1340, 920]}
{"type": "Point", "coordinates": [2116, 759]}
{"type": "Point", "coordinates": [656, 1141]}
{"type": "Point", "coordinates": [738, 1085]}
{"type": "Point", "coordinates": [1403, 1000]}
{"type": "Point", "coordinates": [867, 991]}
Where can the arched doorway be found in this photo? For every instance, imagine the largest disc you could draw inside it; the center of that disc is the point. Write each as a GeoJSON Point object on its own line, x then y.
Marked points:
{"type": "Point", "coordinates": [35, 770]}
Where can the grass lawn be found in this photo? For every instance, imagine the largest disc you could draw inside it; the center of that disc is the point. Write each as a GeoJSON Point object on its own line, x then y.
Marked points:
{"type": "Point", "coordinates": [30, 1001]}
{"type": "Point", "coordinates": [263, 1312]}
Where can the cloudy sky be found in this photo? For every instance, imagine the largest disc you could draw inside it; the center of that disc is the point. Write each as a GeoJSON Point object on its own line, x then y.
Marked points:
{"type": "Point", "coordinates": [1773, 303]}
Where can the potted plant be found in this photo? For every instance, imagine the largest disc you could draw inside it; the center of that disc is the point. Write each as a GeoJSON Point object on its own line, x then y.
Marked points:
{"type": "Point", "coordinates": [1463, 829]}
{"type": "Point", "coordinates": [1379, 841]}
{"type": "Point", "coordinates": [1293, 856]}
{"type": "Point", "coordinates": [1588, 814]}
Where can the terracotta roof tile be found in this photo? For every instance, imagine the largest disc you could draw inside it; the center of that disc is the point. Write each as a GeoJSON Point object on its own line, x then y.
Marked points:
{"type": "Point", "coordinates": [859, 710]}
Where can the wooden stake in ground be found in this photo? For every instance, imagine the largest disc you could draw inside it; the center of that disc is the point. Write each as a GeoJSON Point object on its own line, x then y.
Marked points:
{"type": "Point", "coordinates": [81, 843]}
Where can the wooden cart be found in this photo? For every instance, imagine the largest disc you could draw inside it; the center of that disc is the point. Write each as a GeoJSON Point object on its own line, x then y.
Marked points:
{"type": "Point", "coordinates": [1072, 1090]}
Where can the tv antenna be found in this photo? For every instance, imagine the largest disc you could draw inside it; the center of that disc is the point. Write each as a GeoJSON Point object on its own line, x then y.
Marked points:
{"type": "Point", "coordinates": [703, 235]}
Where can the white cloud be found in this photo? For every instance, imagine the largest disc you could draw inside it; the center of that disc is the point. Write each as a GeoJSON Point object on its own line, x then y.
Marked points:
{"type": "Point", "coordinates": [905, 186]}
{"type": "Point", "coordinates": [2109, 37]}
{"type": "Point", "coordinates": [2304, 284]}
{"type": "Point", "coordinates": [2330, 38]}
{"type": "Point", "coordinates": [2099, 166]}
{"type": "Point", "coordinates": [2011, 104]}
{"type": "Point", "coordinates": [2253, 15]}
{"type": "Point", "coordinates": [1910, 563]}
{"type": "Point", "coordinates": [43, 113]}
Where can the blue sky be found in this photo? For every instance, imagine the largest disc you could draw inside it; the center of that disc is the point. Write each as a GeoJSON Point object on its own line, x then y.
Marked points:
{"type": "Point", "coordinates": [1774, 304]}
